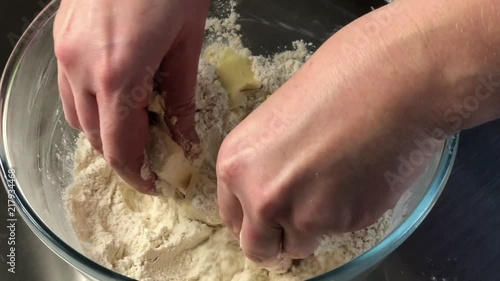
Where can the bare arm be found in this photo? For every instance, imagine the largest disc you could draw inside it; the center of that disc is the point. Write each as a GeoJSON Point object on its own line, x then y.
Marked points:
{"type": "Point", "coordinates": [411, 72]}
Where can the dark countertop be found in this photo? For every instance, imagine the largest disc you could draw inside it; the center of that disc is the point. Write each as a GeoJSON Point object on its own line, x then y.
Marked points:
{"type": "Point", "coordinates": [458, 241]}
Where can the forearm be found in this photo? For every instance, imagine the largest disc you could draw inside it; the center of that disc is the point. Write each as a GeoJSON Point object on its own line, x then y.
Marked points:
{"type": "Point", "coordinates": [463, 41]}
{"type": "Point", "coordinates": [432, 65]}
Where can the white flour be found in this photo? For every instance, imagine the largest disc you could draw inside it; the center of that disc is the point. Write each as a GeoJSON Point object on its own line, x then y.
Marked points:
{"type": "Point", "coordinates": [168, 238]}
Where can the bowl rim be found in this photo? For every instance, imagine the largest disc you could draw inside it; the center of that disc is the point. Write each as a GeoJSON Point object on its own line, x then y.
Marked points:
{"type": "Point", "coordinates": [94, 270]}
{"type": "Point", "coordinates": [413, 220]}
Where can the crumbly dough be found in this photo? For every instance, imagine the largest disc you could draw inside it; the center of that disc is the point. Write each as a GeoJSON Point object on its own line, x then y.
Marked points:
{"type": "Point", "coordinates": [178, 235]}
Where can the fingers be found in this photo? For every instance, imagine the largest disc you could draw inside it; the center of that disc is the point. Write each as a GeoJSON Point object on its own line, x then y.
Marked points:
{"type": "Point", "coordinates": [67, 99]}
{"type": "Point", "coordinates": [80, 110]}
{"type": "Point", "coordinates": [88, 115]}
{"type": "Point", "coordinates": [230, 210]}
{"type": "Point", "coordinates": [299, 245]}
{"type": "Point", "coordinates": [123, 119]}
{"type": "Point", "coordinates": [178, 73]}
{"type": "Point", "coordinates": [124, 132]}
{"type": "Point", "coordinates": [261, 242]}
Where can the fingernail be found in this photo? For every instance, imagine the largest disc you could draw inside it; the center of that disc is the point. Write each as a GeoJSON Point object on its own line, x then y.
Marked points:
{"type": "Point", "coordinates": [153, 192]}
{"type": "Point", "coordinates": [258, 261]}
{"type": "Point", "coordinates": [151, 180]}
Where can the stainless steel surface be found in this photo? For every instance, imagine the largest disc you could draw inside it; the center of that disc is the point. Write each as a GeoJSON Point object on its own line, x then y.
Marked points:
{"type": "Point", "coordinates": [421, 258]}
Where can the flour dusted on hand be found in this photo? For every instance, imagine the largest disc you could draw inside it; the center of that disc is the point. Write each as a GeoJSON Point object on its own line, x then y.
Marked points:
{"type": "Point", "coordinates": [178, 235]}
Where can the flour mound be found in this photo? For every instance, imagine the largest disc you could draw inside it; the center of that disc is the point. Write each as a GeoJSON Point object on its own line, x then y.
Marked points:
{"type": "Point", "coordinates": [178, 235]}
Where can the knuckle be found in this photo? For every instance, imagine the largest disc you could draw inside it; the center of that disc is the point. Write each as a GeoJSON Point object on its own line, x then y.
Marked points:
{"type": "Point", "coordinates": [93, 134]}
{"type": "Point", "coordinates": [72, 120]}
{"type": "Point", "coordinates": [66, 52]}
{"type": "Point", "coordinates": [304, 223]}
{"type": "Point", "coordinates": [228, 167]}
{"type": "Point", "coordinates": [95, 142]}
{"type": "Point", "coordinates": [110, 78]}
{"type": "Point", "coordinates": [268, 207]}
{"type": "Point", "coordinates": [96, 146]}
{"type": "Point", "coordinates": [114, 162]}
{"type": "Point", "coordinates": [233, 157]}
{"type": "Point", "coordinates": [73, 123]}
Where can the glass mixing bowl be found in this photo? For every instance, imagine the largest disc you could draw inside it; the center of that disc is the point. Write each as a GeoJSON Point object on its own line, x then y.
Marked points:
{"type": "Point", "coordinates": [38, 144]}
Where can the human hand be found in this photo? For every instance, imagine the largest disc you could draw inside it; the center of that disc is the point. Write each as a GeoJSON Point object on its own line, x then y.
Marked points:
{"type": "Point", "coordinates": [108, 55]}
{"type": "Point", "coordinates": [322, 155]}
{"type": "Point", "coordinates": [329, 151]}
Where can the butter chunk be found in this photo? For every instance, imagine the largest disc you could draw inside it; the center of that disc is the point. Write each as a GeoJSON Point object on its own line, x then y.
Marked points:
{"type": "Point", "coordinates": [236, 76]}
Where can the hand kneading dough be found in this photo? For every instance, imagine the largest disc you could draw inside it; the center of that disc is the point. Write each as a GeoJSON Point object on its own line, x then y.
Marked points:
{"type": "Point", "coordinates": [177, 235]}
{"type": "Point", "coordinates": [177, 176]}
